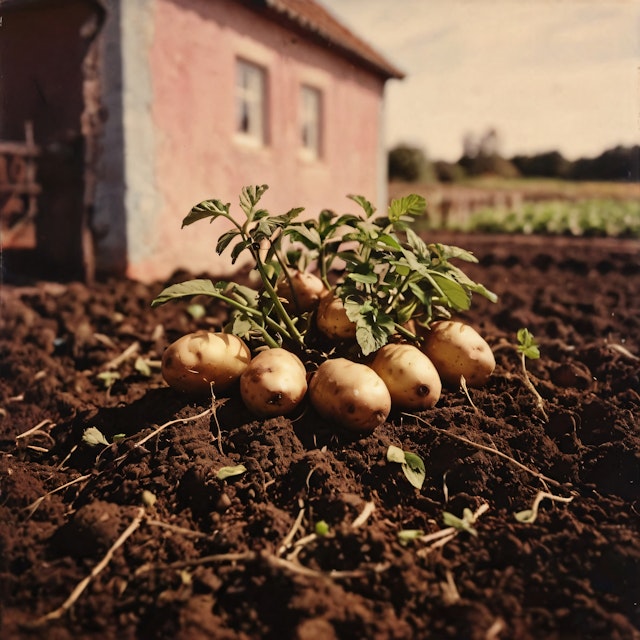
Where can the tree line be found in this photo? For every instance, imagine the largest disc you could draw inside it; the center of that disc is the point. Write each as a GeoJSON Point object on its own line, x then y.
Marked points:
{"type": "Point", "coordinates": [481, 156]}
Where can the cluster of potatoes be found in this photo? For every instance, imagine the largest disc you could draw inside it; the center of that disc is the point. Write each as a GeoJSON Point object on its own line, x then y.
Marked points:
{"type": "Point", "coordinates": [353, 395]}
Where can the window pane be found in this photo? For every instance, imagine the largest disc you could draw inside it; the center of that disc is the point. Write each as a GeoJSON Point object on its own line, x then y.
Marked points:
{"type": "Point", "coordinates": [311, 120]}
{"type": "Point", "coordinates": [250, 100]}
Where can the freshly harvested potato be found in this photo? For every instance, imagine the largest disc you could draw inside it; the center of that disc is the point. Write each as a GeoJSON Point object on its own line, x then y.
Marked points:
{"type": "Point", "coordinates": [332, 319]}
{"type": "Point", "coordinates": [410, 376]}
{"type": "Point", "coordinates": [302, 292]}
{"type": "Point", "coordinates": [198, 360]}
{"type": "Point", "coordinates": [456, 349]}
{"type": "Point", "coordinates": [274, 383]}
{"type": "Point", "coordinates": [351, 394]}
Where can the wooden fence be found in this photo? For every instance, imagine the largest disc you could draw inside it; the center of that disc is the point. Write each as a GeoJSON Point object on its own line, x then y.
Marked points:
{"type": "Point", "coordinates": [19, 191]}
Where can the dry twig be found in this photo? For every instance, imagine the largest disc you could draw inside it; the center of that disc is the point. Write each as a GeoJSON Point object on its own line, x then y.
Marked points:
{"type": "Point", "coordinates": [493, 450]}
{"type": "Point", "coordinates": [44, 423]}
{"type": "Point", "coordinates": [34, 505]}
{"type": "Point", "coordinates": [127, 354]}
{"type": "Point", "coordinates": [83, 584]}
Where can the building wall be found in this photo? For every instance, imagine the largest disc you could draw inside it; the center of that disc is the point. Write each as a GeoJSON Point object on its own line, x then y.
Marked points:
{"type": "Point", "coordinates": [179, 119]}
{"type": "Point", "coordinates": [127, 200]}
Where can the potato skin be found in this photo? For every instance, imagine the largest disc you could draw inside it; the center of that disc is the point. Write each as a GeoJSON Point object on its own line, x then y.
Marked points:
{"type": "Point", "coordinates": [412, 379]}
{"type": "Point", "coordinates": [198, 360]}
{"type": "Point", "coordinates": [274, 383]}
{"type": "Point", "coordinates": [457, 349]}
{"type": "Point", "coordinates": [351, 394]}
{"type": "Point", "coordinates": [332, 319]}
{"type": "Point", "coordinates": [308, 290]}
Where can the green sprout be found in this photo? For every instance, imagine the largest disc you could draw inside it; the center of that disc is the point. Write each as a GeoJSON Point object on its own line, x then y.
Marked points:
{"type": "Point", "coordinates": [454, 526]}
{"type": "Point", "coordinates": [528, 348]}
{"type": "Point", "coordinates": [322, 528]}
{"type": "Point", "coordinates": [461, 524]}
{"type": "Point", "coordinates": [93, 437]}
{"type": "Point", "coordinates": [412, 465]}
{"type": "Point", "coordinates": [108, 378]}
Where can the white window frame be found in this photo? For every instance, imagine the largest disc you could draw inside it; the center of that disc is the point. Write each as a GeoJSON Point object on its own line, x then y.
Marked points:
{"type": "Point", "coordinates": [311, 122]}
{"type": "Point", "coordinates": [251, 103]}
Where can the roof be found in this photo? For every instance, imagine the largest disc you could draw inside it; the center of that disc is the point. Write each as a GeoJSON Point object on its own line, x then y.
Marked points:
{"type": "Point", "coordinates": [313, 19]}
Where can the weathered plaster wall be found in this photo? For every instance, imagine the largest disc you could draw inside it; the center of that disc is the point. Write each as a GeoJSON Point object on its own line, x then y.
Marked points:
{"type": "Point", "coordinates": [192, 149]}
{"type": "Point", "coordinates": [127, 197]}
{"type": "Point", "coordinates": [168, 141]}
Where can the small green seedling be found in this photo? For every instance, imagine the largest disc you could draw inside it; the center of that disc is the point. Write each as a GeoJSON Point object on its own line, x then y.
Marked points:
{"type": "Point", "coordinates": [229, 472]}
{"type": "Point", "coordinates": [528, 348]}
{"type": "Point", "coordinates": [322, 528]}
{"type": "Point", "coordinates": [108, 378]}
{"type": "Point", "coordinates": [145, 366]}
{"type": "Point", "coordinates": [412, 465]}
{"type": "Point", "coordinates": [405, 536]}
{"type": "Point", "coordinates": [439, 539]}
{"type": "Point", "coordinates": [93, 437]}
{"type": "Point", "coordinates": [196, 311]}
{"type": "Point", "coordinates": [527, 344]}
{"type": "Point", "coordinates": [461, 524]}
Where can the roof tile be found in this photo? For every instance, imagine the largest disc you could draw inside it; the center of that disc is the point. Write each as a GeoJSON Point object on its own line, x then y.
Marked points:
{"type": "Point", "coordinates": [312, 18]}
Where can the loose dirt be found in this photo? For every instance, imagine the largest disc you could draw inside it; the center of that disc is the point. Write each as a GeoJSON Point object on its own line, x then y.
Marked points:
{"type": "Point", "coordinates": [235, 558]}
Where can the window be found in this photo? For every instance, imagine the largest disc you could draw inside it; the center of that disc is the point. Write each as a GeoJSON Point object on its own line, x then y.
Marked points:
{"type": "Point", "coordinates": [251, 84]}
{"type": "Point", "coordinates": [311, 122]}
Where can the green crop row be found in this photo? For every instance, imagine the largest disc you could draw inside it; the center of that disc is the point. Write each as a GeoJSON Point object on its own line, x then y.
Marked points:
{"type": "Point", "coordinates": [606, 218]}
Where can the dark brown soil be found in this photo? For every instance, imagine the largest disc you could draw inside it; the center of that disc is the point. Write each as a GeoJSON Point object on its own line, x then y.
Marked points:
{"type": "Point", "coordinates": [217, 558]}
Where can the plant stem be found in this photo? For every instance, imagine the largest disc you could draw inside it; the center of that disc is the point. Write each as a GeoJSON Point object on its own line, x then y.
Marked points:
{"type": "Point", "coordinates": [530, 385]}
{"type": "Point", "coordinates": [293, 332]}
{"type": "Point", "coordinates": [403, 331]}
{"type": "Point", "coordinates": [399, 291]}
{"type": "Point", "coordinates": [250, 311]}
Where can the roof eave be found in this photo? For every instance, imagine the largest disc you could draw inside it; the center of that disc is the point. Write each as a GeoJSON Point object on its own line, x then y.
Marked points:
{"type": "Point", "coordinates": [275, 11]}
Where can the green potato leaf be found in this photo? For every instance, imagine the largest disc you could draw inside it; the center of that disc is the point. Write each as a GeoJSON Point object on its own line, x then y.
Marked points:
{"type": "Point", "coordinates": [206, 209]}
{"type": "Point", "coordinates": [184, 289]}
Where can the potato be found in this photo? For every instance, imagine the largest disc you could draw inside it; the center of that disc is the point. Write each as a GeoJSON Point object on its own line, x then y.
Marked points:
{"type": "Point", "coordinates": [332, 319]}
{"type": "Point", "coordinates": [303, 292]}
{"type": "Point", "coordinates": [274, 383]}
{"type": "Point", "coordinates": [410, 376]}
{"type": "Point", "coordinates": [351, 394]}
{"type": "Point", "coordinates": [456, 349]}
{"type": "Point", "coordinates": [198, 360]}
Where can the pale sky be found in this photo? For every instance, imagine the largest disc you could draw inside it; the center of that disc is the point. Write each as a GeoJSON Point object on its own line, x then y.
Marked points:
{"type": "Point", "coordinates": [547, 74]}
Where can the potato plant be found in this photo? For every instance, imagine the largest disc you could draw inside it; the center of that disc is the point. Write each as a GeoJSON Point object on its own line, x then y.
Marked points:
{"type": "Point", "coordinates": [375, 282]}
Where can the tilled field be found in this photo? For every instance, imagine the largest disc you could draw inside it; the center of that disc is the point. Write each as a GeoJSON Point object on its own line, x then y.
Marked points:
{"type": "Point", "coordinates": [235, 558]}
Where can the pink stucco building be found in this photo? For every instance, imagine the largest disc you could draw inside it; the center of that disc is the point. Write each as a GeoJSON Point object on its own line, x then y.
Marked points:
{"type": "Point", "coordinates": [183, 100]}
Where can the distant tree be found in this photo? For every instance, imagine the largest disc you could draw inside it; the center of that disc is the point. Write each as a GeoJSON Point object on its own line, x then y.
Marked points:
{"type": "Point", "coordinates": [550, 164]}
{"type": "Point", "coordinates": [618, 163]}
{"type": "Point", "coordinates": [448, 171]}
{"type": "Point", "coordinates": [481, 156]}
{"type": "Point", "coordinates": [409, 164]}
